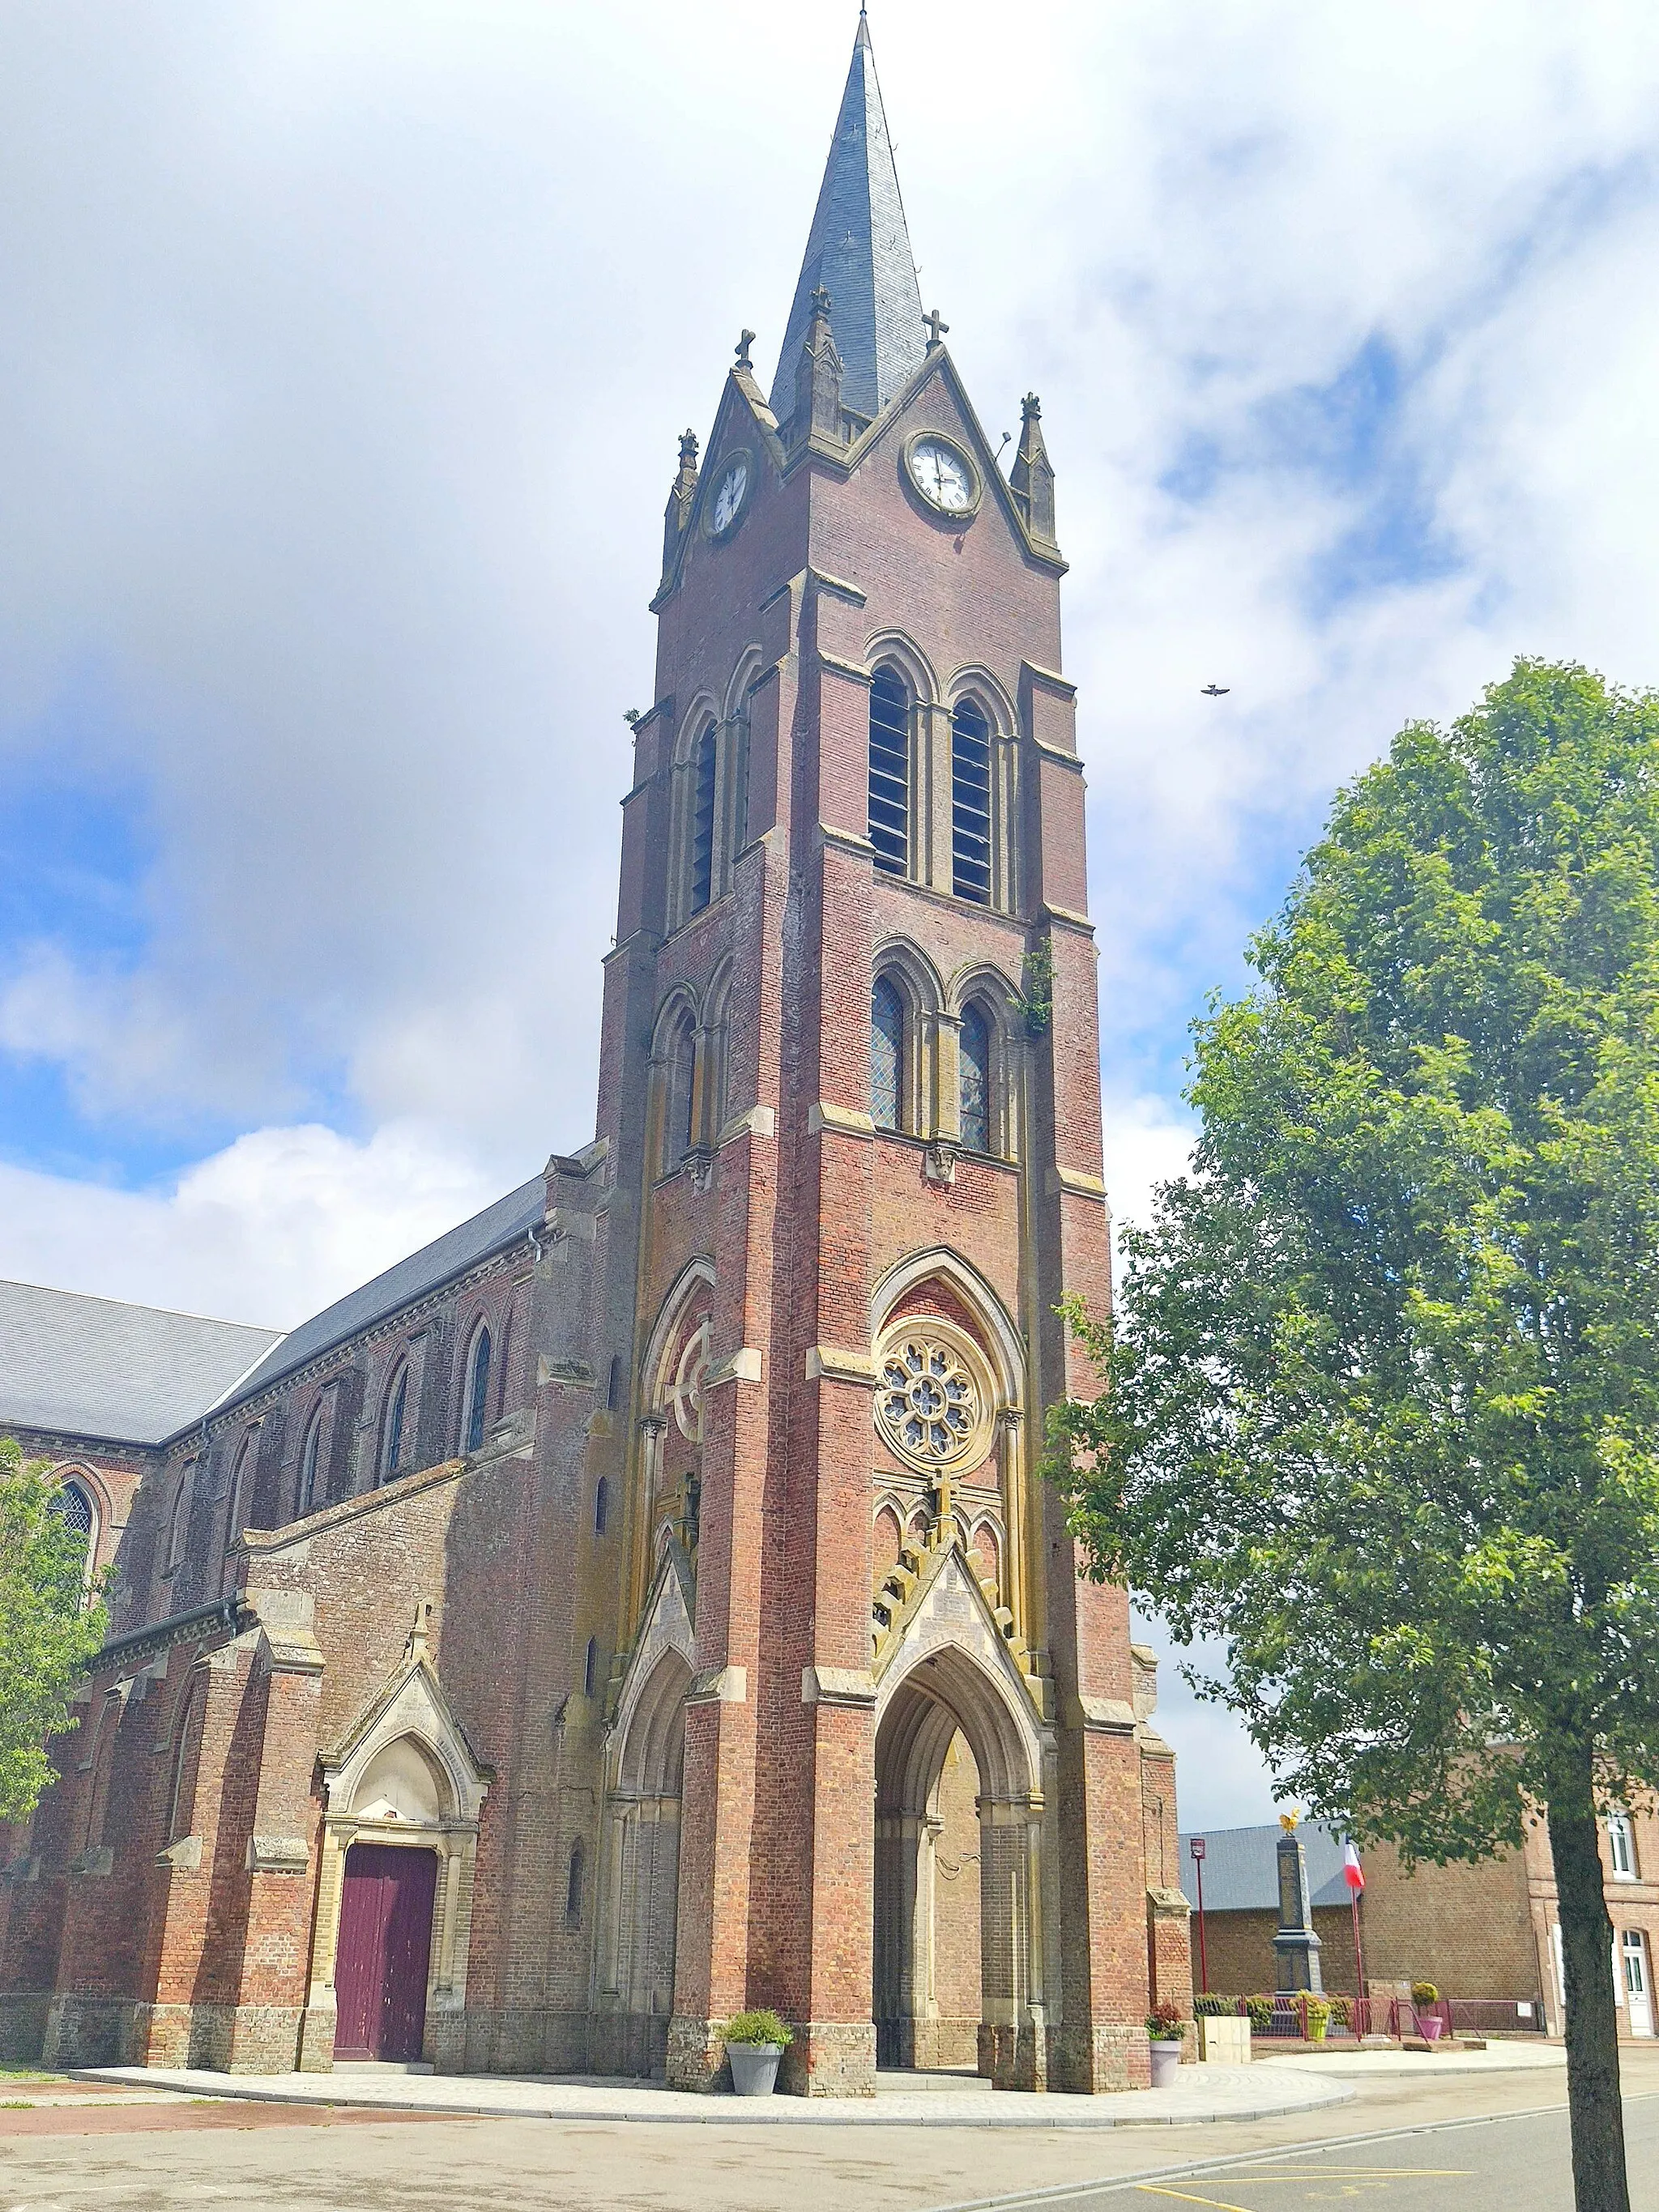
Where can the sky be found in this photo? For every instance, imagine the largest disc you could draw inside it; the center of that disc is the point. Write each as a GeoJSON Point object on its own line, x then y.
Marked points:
{"type": "Point", "coordinates": [346, 350]}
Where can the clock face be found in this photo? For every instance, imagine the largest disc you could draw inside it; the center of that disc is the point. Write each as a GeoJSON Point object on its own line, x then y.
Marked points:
{"type": "Point", "coordinates": [728, 498]}
{"type": "Point", "coordinates": [942, 476]}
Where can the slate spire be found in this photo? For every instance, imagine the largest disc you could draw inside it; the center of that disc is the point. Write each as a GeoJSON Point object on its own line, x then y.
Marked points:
{"type": "Point", "coordinates": [859, 252]}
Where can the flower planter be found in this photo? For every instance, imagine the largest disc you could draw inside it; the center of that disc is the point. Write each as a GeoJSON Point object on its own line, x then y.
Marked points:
{"type": "Point", "coordinates": [1431, 2024]}
{"type": "Point", "coordinates": [1166, 2060]}
{"type": "Point", "coordinates": [754, 2067]}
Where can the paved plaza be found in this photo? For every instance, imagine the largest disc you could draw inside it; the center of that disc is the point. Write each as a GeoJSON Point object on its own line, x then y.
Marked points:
{"type": "Point", "coordinates": [1490, 2139]}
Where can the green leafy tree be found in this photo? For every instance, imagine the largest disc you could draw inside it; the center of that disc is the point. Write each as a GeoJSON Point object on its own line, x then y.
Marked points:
{"type": "Point", "coordinates": [1382, 1388]}
{"type": "Point", "coordinates": [47, 1634]}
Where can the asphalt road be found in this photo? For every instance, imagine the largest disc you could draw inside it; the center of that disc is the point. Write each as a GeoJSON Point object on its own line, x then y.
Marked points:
{"type": "Point", "coordinates": [1516, 2164]}
{"type": "Point", "coordinates": [1413, 2142]}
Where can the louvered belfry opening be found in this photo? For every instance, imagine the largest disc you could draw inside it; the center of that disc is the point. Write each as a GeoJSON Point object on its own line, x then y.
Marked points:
{"type": "Point", "coordinates": [702, 823]}
{"type": "Point", "coordinates": [971, 804]}
{"type": "Point", "coordinates": [889, 771]}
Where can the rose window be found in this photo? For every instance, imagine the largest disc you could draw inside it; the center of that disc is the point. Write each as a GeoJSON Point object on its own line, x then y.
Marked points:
{"type": "Point", "coordinates": [927, 1404]}
{"type": "Point", "coordinates": [685, 1393]}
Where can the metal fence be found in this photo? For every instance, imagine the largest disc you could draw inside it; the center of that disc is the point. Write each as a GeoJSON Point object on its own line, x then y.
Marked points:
{"type": "Point", "coordinates": [1284, 2014]}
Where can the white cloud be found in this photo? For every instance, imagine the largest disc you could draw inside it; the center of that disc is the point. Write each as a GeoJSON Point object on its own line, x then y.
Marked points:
{"type": "Point", "coordinates": [359, 336]}
{"type": "Point", "coordinates": [269, 1229]}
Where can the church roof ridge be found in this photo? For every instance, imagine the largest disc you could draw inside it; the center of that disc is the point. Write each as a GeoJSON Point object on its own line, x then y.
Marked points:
{"type": "Point", "coordinates": [859, 250]}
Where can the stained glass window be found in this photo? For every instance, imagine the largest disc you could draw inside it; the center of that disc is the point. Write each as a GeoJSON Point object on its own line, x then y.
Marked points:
{"type": "Point", "coordinates": [394, 1423]}
{"type": "Point", "coordinates": [308, 1462]}
{"type": "Point", "coordinates": [478, 1400]}
{"type": "Point", "coordinates": [975, 1059]}
{"type": "Point", "coordinates": [887, 1055]}
{"type": "Point", "coordinates": [889, 771]}
{"type": "Point", "coordinates": [971, 804]}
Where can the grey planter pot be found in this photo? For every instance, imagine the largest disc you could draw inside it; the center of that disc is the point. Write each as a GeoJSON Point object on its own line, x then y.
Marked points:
{"type": "Point", "coordinates": [1166, 2062]}
{"type": "Point", "coordinates": [754, 2067]}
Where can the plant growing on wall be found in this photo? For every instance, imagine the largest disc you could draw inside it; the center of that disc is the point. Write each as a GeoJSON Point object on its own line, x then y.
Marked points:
{"type": "Point", "coordinates": [48, 1634]}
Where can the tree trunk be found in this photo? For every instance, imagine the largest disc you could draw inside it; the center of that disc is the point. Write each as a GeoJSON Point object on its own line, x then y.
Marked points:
{"type": "Point", "coordinates": [1599, 2181]}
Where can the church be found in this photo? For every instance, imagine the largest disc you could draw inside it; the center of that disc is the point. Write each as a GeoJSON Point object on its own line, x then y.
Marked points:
{"type": "Point", "coordinates": [644, 1603]}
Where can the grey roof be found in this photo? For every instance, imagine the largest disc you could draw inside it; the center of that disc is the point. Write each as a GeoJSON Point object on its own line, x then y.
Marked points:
{"type": "Point", "coordinates": [859, 249]}
{"type": "Point", "coordinates": [451, 1254]}
{"type": "Point", "coordinates": [1241, 1867]}
{"type": "Point", "coordinates": [94, 1367]}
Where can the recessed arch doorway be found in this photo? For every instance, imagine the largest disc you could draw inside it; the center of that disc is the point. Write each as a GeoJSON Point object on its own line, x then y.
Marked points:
{"type": "Point", "coordinates": [958, 1933]}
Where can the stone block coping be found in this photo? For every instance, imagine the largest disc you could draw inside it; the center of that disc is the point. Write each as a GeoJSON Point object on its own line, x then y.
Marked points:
{"type": "Point", "coordinates": [1202, 2094]}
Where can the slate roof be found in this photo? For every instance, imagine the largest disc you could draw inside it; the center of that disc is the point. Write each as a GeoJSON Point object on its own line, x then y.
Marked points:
{"type": "Point", "coordinates": [504, 1222]}
{"type": "Point", "coordinates": [1241, 1868]}
{"type": "Point", "coordinates": [95, 1367]}
{"type": "Point", "coordinates": [859, 248]}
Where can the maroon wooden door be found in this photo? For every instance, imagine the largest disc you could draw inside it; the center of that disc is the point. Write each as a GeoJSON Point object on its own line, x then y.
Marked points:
{"type": "Point", "coordinates": [385, 1945]}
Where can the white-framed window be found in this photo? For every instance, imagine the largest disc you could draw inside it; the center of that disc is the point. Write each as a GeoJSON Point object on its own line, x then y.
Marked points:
{"type": "Point", "coordinates": [1622, 1846]}
{"type": "Point", "coordinates": [1636, 1989]}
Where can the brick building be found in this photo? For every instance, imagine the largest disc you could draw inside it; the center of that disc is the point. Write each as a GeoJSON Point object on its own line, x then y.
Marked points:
{"type": "Point", "coordinates": [641, 1603]}
{"type": "Point", "coordinates": [1489, 1930]}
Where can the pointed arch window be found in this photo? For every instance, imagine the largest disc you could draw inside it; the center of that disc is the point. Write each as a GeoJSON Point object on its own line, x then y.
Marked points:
{"type": "Point", "coordinates": [241, 1486]}
{"type": "Point", "coordinates": [971, 804]}
{"type": "Point", "coordinates": [392, 1449]}
{"type": "Point", "coordinates": [73, 1506]}
{"type": "Point", "coordinates": [704, 763]}
{"type": "Point", "coordinates": [889, 771]}
{"type": "Point", "coordinates": [180, 1514]}
{"type": "Point", "coordinates": [477, 1392]}
{"type": "Point", "coordinates": [888, 1071]}
{"type": "Point", "coordinates": [974, 1060]}
{"type": "Point", "coordinates": [574, 1884]}
{"type": "Point", "coordinates": [309, 1459]}
{"type": "Point", "coordinates": [679, 1092]}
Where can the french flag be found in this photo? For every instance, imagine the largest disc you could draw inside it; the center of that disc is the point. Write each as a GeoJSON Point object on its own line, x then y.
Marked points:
{"type": "Point", "coordinates": [1353, 1873]}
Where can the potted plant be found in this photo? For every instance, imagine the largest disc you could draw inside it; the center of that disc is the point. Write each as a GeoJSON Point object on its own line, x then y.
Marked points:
{"type": "Point", "coordinates": [1167, 2029]}
{"type": "Point", "coordinates": [1424, 1994]}
{"type": "Point", "coordinates": [755, 2041]}
{"type": "Point", "coordinates": [1316, 2018]}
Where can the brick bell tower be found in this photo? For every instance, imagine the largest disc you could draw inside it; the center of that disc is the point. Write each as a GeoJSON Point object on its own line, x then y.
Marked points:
{"type": "Point", "coordinates": [872, 1753]}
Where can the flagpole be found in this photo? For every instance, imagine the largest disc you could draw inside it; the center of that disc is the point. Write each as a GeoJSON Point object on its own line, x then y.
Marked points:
{"type": "Point", "coordinates": [1354, 1875]}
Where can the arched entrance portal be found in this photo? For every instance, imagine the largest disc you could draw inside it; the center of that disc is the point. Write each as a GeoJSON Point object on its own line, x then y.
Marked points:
{"type": "Point", "coordinates": [643, 1872]}
{"type": "Point", "coordinates": [944, 1728]}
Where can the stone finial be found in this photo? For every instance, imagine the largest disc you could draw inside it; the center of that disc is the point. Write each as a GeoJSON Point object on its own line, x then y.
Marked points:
{"type": "Point", "coordinates": [681, 495]}
{"type": "Point", "coordinates": [415, 1647]}
{"type": "Point", "coordinates": [1032, 479]}
{"type": "Point", "coordinates": [745, 339]}
{"type": "Point", "coordinates": [936, 326]}
{"type": "Point", "coordinates": [818, 381]}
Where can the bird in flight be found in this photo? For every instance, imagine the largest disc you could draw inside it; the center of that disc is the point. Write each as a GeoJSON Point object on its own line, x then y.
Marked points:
{"type": "Point", "coordinates": [1216, 690]}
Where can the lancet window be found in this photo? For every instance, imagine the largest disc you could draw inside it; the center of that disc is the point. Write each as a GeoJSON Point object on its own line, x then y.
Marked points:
{"type": "Point", "coordinates": [704, 763]}
{"type": "Point", "coordinates": [971, 804]}
{"type": "Point", "coordinates": [478, 1394]}
{"type": "Point", "coordinates": [888, 1056]}
{"type": "Point", "coordinates": [391, 1446]}
{"type": "Point", "coordinates": [974, 1062]}
{"type": "Point", "coordinates": [889, 771]}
